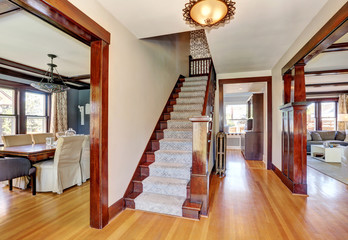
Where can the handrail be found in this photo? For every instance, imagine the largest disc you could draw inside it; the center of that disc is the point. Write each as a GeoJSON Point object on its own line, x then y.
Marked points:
{"type": "Point", "coordinates": [210, 88]}
{"type": "Point", "coordinates": [199, 66]}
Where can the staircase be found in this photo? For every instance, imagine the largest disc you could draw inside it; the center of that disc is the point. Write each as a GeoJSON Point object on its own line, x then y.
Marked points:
{"type": "Point", "coordinates": [161, 182]}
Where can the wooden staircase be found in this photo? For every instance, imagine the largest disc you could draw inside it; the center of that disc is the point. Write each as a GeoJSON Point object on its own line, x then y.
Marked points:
{"type": "Point", "coordinates": [135, 187]}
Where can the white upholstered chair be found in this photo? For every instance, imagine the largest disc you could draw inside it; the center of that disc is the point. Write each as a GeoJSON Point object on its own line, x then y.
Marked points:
{"type": "Point", "coordinates": [85, 159]}
{"type": "Point", "coordinates": [16, 140]}
{"type": "Point", "coordinates": [64, 170]}
{"type": "Point", "coordinates": [40, 137]}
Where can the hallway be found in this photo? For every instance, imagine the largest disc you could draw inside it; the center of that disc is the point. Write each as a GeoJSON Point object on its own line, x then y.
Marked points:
{"type": "Point", "coordinates": [249, 203]}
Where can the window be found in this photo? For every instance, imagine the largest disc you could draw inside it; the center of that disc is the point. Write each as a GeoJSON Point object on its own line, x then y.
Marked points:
{"type": "Point", "coordinates": [311, 119]}
{"type": "Point", "coordinates": [328, 116]}
{"type": "Point", "coordinates": [322, 115]}
{"type": "Point", "coordinates": [236, 116]}
{"type": "Point", "coordinates": [7, 112]}
{"type": "Point", "coordinates": [35, 112]}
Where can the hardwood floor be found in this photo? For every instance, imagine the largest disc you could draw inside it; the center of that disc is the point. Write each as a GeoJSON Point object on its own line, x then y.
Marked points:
{"type": "Point", "coordinates": [249, 203]}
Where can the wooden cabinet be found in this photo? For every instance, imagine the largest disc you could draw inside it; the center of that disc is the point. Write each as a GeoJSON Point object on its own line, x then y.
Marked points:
{"type": "Point", "coordinates": [252, 140]}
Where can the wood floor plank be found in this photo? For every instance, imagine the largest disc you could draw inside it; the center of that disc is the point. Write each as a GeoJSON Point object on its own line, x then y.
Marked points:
{"type": "Point", "coordinates": [249, 203]}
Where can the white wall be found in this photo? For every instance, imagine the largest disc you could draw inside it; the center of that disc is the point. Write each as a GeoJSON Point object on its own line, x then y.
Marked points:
{"type": "Point", "coordinates": [142, 74]}
{"type": "Point", "coordinates": [330, 8]}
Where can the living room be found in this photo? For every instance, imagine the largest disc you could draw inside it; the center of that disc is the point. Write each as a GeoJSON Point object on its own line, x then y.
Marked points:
{"type": "Point", "coordinates": [326, 91]}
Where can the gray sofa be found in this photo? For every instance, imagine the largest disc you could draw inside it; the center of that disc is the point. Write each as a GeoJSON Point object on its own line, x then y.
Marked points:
{"type": "Point", "coordinates": [319, 137]}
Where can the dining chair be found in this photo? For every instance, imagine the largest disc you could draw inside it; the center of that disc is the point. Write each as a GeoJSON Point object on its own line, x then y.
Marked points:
{"type": "Point", "coordinates": [12, 168]}
{"type": "Point", "coordinates": [60, 134]}
{"type": "Point", "coordinates": [16, 140]}
{"type": "Point", "coordinates": [38, 138]}
{"type": "Point", "coordinates": [85, 159]}
{"type": "Point", "coordinates": [64, 170]}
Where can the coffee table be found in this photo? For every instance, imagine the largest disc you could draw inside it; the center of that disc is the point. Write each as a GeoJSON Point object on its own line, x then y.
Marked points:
{"type": "Point", "coordinates": [327, 154]}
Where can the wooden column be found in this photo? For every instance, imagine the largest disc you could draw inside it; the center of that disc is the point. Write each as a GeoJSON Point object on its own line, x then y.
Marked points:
{"type": "Point", "coordinates": [294, 133]}
{"type": "Point", "coordinates": [199, 190]}
{"type": "Point", "coordinates": [287, 87]}
{"type": "Point", "coordinates": [99, 209]}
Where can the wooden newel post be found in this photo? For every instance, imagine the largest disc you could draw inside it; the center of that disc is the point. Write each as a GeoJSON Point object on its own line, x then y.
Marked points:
{"type": "Point", "coordinates": [199, 186]}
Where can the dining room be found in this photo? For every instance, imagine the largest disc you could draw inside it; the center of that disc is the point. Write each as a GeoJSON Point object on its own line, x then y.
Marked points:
{"type": "Point", "coordinates": [44, 106]}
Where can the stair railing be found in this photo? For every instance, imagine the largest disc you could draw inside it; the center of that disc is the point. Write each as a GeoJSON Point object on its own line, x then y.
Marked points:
{"type": "Point", "coordinates": [201, 141]}
{"type": "Point", "coordinates": [200, 66]}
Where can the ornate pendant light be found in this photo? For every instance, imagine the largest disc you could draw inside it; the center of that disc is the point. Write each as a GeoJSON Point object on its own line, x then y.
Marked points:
{"type": "Point", "coordinates": [208, 13]}
{"type": "Point", "coordinates": [47, 82]}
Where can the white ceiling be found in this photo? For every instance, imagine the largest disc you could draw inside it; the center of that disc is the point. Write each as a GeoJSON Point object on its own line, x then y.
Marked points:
{"type": "Point", "coordinates": [27, 39]}
{"type": "Point", "coordinates": [254, 40]}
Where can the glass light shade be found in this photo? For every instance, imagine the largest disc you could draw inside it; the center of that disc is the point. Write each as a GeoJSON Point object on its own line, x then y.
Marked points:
{"type": "Point", "coordinates": [208, 12]}
{"type": "Point", "coordinates": [343, 117]}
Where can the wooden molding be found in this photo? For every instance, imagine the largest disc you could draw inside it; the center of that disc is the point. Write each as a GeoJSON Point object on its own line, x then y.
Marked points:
{"type": "Point", "coordinates": [322, 100]}
{"type": "Point", "coordinates": [322, 39]}
{"type": "Point", "coordinates": [327, 93]}
{"type": "Point", "coordinates": [66, 17]}
{"type": "Point", "coordinates": [268, 80]}
{"type": "Point", "coordinates": [337, 47]}
{"type": "Point", "coordinates": [116, 208]}
{"type": "Point", "coordinates": [327, 84]}
{"type": "Point", "coordinates": [327, 72]}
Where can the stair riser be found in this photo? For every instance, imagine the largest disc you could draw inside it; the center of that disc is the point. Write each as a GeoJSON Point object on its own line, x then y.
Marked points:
{"type": "Point", "coordinates": [192, 94]}
{"type": "Point", "coordinates": [154, 145]}
{"type": "Point", "coordinates": [188, 107]}
{"type": "Point", "coordinates": [130, 203]}
{"type": "Point", "coordinates": [163, 125]}
{"type": "Point", "coordinates": [183, 173]}
{"type": "Point", "coordinates": [184, 115]}
{"type": "Point", "coordinates": [183, 100]}
{"type": "Point", "coordinates": [177, 134]}
{"type": "Point", "coordinates": [194, 83]}
{"type": "Point", "coordinates": [193, 88]}
{"type": "Point", "coordinates": [175, 124]}
{"type": "Point", "coordinates": [149, 157]}
{"type": "Point", "coordinates": [179, 146]}
{"type": "Point", "coordinates": [159, 208]}
{"type": "Point", "coordinates": [165, 189]}
{"type": "Point", "coordinates": [189, 79]}
{"type": "Point", "coordinates": [166, 116]}
{"type": "Point", "coordinates": [144, 171]}
{"type": "Point", "coordinates": [178, 158]}
{"type": "Point", "coordinates": [137, 187]}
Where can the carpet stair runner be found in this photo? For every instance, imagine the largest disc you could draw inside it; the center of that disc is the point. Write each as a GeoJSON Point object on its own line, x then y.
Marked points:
{"type": "Point", "coordinates": [165, 189]}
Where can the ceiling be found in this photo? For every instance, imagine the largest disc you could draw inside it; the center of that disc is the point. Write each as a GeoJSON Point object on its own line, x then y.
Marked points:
{"type": "Point", "coordinates": [257, 37]}
{"type": "Point", "coordinates": [27, 40]}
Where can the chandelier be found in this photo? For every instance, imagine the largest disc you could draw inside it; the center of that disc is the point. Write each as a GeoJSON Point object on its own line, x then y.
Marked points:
{"type": "Point", "coordinates": [208, 13]}
{"type": "Point", "coordinates": [47, 82]}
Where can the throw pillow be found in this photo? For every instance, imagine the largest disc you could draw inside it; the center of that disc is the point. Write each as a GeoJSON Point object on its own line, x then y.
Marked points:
{"type": "Point", "coordinates": [316, 136]}
{"type": "Point", "coordinates": [340, 135]}
{"type": "Point", "coordinates": [309, 136]}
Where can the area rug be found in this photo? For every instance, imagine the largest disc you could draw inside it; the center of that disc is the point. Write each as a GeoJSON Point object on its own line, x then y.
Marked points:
{"type": "Point", "coordinates": [337, 171]}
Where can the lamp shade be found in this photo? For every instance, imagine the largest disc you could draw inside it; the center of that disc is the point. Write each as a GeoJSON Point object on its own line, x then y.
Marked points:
{"type": "Point", "coordinates": [208, 12]}
{"type": "Point", "coordinates": [343, 117]}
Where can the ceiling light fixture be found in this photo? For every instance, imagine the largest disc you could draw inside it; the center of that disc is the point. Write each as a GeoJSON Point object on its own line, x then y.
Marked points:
{"type": "Point", "coordinates": [208, 13]}
{"type": "Point", "coordinates": [47, 82]}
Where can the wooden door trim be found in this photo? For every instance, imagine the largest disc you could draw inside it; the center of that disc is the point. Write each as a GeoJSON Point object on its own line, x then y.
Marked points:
{"type": "Point", "coordinates": [66, 17]}
{"type": "Point", "coordinates": [268, 80]}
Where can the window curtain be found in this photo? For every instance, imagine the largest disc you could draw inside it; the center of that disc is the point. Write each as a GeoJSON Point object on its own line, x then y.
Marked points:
{"type": "Point", "coordinates": [342, 109]}
{"type": "Point", "coordinates": [59, 113]}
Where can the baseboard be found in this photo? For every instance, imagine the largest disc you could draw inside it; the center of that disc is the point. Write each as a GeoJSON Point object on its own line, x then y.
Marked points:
{"type": "Point", "coordinates": [298, 189]}
{"type": "Point", "coordinates": [116, 208]}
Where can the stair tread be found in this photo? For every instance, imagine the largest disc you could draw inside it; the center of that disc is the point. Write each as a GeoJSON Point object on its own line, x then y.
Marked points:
{"type": "Point", "coordinates": [193, 206]}
{"type": "Point", "coordinates": [175, 140]}
{"type": "Point", "coordinates": [178, 129]}
{"type": "Point", "coordinates": [165, 181]}
{"type": "Point", "coordinates": [166, 200]}
{"type": "Point", "coordinates": [146, 164]}
{"type": "Point", "coordinates": [139, 178]}
{"type": "Point", "coordinates": [170, 165]}
{"type": "Point", "coordinates": [174, 151]}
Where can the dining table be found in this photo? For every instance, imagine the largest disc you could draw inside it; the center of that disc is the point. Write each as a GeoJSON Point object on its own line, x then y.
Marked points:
{"type": "Point", "coordinates": [34, 152]}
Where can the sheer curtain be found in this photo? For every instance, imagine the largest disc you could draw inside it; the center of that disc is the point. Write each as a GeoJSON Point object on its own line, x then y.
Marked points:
{"type": "Point", "coordinates": [59, 113]}
{"type": "Point", "coordinates": [342, 109]}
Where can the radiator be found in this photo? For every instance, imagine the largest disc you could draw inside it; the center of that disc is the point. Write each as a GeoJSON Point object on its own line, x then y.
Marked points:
{"type": "Point", "coordinates": [220, 159]}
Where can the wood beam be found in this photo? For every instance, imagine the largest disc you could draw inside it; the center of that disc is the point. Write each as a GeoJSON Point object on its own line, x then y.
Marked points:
{"type": "Point", "coordinates": [324, 38]}
{"type": "Point", "coordinates": [327, 72]}
{"type": "Point", "coordinates": [327, 84]}
{"type": "Point", "coordinates": [327, 93]}
{"type": "Point", "coordinates": [12, 73]}
{"type": "Point", "coordinates": [337, 47]}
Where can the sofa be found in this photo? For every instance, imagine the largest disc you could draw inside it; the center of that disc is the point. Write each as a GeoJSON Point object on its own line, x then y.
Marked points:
{"type": "Point", "coordinates": [319, 137]}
